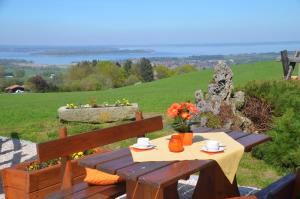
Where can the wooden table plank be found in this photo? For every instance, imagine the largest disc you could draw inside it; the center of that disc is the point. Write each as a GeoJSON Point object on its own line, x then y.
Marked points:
{"type": "Point", "coordinates": [173, 172]}
{"type": "Point", "coordinates": [134, 171]}
{"type": "Point", "coordinates": [209, 130]}
{"type": "Point", "coordinates": [113, 165]}
{"type": "Point", "coordinates": [94, 160]}
{"type": "Point", "coordinates": [252, 140]}
{"type": "Point", "coordinates": [237, 134]}
{"type": "Point", "coordinates": [201, 129]}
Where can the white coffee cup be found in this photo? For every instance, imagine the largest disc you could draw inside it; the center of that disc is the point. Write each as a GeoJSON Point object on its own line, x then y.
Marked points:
{"type": "Point", "coordinates": [212, 145]}
{"type": "Point", "coordinates": [143, 141]}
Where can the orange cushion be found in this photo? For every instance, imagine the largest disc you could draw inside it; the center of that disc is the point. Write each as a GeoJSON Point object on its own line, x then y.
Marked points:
{"type": "Point", "coordinates": [96, 177]}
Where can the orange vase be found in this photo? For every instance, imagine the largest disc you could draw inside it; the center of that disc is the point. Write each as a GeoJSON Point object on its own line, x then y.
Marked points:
{"type": "Point", "coordinates": [175, 144]}
{"type": "Point", "coordinates": [187, 138]}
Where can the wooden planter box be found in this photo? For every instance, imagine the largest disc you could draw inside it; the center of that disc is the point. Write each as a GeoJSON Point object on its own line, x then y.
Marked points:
{"type": "Point", "coordinates": [19, 183]}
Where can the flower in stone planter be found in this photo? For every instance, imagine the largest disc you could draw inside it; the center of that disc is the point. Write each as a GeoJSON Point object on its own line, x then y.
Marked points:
{"type": "Point", "coordinates": [71, 106]}
{"type": "Point", "coordinates": [182, 115]}
{"type": "Point", "coordinates": [123, 102]}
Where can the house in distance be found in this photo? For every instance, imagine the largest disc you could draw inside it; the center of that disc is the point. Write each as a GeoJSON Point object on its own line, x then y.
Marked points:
{"type": "Point", "coordinates": [15, 89]}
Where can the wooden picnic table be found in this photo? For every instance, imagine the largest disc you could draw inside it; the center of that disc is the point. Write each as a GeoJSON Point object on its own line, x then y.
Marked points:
{"type": "Point", "coordinates": [159, 179]}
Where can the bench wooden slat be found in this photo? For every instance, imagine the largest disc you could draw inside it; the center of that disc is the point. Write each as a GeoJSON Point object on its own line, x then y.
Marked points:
{"type": "Point", "coordinates": [252, 140]}
{"type": "Point", "coordinates": [75, 188]}
{"type": "Point", "coordinates": [283, 188]}
{"type": "Point", "coordinates": [139, 169]}
{"type": "Point", "coordinates": [93, 160]}
{"type": "Point", "coordinates": [173, 172]}
{"type": "Point", "coordinates": [237, 134]}
{"type": "Point", "coordinates": [91, 190]}
{"type": "Point", "coordinates": [111, 192]}
{"type": "Point", "coordinates": [83, 190]}
{"type": "Point", "coordinates": [80, 142]}
{"type": "Point", "coordinates": [113, 165]}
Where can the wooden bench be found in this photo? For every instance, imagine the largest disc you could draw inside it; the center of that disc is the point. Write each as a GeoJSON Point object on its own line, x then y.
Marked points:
{"type": "Point", "coordinates": [288, 187]}
{"type": "Point", "coordinates": [68, 145]}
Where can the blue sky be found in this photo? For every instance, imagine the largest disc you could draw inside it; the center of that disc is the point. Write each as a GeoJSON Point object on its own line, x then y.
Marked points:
{"type": "Point", "coordinates": [105, 22]}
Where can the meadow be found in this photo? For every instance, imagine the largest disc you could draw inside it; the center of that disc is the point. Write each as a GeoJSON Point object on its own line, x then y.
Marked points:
{"type": "Point", "coordinates": [33, 116]}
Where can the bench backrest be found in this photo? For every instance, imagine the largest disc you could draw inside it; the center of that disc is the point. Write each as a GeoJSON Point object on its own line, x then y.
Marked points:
{"type": "Point", "coordinates": [84, 141]}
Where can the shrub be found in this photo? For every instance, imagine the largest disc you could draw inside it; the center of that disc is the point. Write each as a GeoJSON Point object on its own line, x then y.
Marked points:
{"type": "Point", "coordinates": [213, 121]}
{"type": "Point", "coordinates": [284, 96]}
{"type": "Point", "coordinates": [163, 72]}
{"type": "Point", "coordinates": [259, 112]}
{"type": "Point", "coordinates": [38, 84]}
{"type": "Point", "coordinates": [185, 69]}
{"type": "Point", "coordinates": [132, 79]}
{"type": "Point", "coordinates": [225, 114]}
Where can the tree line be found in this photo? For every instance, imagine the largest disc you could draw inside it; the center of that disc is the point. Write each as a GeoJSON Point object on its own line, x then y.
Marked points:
{"type": "Point", "coordinates": [100, 75]}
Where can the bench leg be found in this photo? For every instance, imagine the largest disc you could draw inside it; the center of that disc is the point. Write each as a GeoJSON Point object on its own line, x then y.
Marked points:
{"type": "Point", "coordinates": [213, 184]}
{"type": "Point", "coordinates": [138, 191]}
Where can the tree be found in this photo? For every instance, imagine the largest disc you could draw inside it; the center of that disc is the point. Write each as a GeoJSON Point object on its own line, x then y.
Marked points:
{"type": "Point", "coordinates": [127, 67]}
{"type": "Point", "coordinates": [163, 72]}
{"type": "Point", "coordinates": [118, 64]}
{"type": "Point", "coordinates": [132, 79]}
{"type": "Point", "coordinates": [19, 73]}
{"type": "Point", "coordinates": [187, 68]}
{"type": "Point", "coordinates": [38, 84]}
{"type": "Point", "coordinates": [2, 71]}
{"type": "Point", "coordinates": [94, 62]}
{"type": "Point", "coordinates": [146, 70]}
{"type": "Point", "coordinates": [109, 70]}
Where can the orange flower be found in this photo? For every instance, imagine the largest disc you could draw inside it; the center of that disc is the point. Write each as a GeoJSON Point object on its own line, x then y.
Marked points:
{"type": "Point", "coordinates": [185, 115]}
{"type": "Point", "coordinates": [172, 112]}
{"type": "Point", "coordinates": [192, 107]}
{"type": "Point", "coordinates": [175, 106]}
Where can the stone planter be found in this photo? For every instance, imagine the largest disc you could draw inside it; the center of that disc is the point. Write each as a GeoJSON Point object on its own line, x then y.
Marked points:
{"type": "Point", "coordinates": [19, 183]}
{"type": "Point", "coordinates": [98, 115]}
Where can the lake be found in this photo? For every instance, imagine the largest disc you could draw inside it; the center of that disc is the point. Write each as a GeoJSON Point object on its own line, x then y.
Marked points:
{"type": "Point", "coordinates": [123, 52]}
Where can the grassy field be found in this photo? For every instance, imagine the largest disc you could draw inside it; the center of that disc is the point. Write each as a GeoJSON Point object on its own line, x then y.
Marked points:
{"type": "Point", "coordinates": [33, 116]}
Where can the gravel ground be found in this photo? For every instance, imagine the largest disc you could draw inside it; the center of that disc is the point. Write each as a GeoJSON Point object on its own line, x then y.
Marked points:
{"type": "Point", "coordinates": [14, 151]}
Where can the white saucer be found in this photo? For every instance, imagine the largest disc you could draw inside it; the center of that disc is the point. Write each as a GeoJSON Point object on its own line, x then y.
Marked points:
{"type": "Point", "coordinates": [137, 146]}
{"type": "Point", "coordinates": [204, 148]}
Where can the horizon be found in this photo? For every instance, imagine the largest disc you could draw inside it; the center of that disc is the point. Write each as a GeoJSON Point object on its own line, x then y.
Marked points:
{"type": "Point", "coordinates": [158, 44]}
{"type": "Point", "coordinates": [118, 23]}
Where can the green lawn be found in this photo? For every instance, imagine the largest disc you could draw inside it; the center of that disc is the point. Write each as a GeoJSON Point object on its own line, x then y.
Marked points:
{"type": "Point", "coordinates": [33, 116]}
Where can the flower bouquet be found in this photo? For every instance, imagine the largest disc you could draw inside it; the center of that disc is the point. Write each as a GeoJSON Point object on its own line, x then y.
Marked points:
{"type": "Point", "coordinates": [183, 117]}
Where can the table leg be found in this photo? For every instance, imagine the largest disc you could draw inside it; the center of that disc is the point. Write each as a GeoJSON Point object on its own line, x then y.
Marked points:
{"type": "Point", "coordinates": [138, 191]}
{"type": "Point", "coordinates": [213, 184]}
